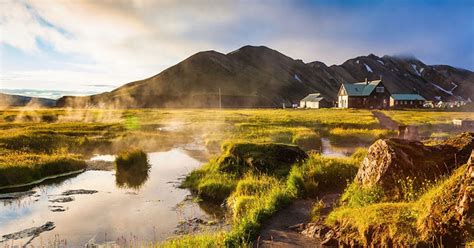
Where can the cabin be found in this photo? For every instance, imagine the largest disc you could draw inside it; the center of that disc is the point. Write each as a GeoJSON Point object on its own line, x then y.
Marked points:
{"type": "Point", "coordinates": [368, 94]}
{"type": "Point", "coordinates": [406, 101]}
{"type": "Point", "coordinates": [314, 100]}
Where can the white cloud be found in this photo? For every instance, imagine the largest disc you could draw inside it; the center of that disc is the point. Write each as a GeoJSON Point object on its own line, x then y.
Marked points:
{"type": "Point", "coordinates": [117, 41]}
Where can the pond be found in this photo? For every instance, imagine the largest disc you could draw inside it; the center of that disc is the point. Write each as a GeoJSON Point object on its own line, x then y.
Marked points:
{"type": "Point", "coordinates": [126, 210]}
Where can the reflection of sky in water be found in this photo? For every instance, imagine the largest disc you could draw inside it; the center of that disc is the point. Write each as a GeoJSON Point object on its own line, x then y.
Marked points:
{"type": "Point", "coordinates": [147, 213]}
{"type": "Point", "coordinates": [335, 151]}
{"type": "Point", "coordinates": [108, 158]}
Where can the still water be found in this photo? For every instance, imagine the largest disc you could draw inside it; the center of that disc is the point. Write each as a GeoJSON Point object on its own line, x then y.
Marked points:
{"type": "Point", "coordinates": [126, 211]}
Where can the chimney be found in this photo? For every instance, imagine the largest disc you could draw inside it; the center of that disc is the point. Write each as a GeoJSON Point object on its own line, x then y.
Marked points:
{"type": "Point", "coordinates": [366, 82]}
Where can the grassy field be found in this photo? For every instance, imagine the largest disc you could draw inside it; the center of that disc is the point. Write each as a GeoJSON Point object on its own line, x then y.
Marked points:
{"type": "Point", "coordinates": [427, 117]}
{"type": "Point", "coordinates": [38, 143]}
{"type": "Point", "coordinates": [33, 139]}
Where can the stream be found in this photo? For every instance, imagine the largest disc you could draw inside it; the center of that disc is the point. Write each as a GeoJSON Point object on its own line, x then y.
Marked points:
{"type": "Point", "coordinates": [99, 207]}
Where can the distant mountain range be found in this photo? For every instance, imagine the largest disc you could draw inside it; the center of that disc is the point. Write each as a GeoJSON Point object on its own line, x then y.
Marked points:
{"type": "Point", "coordinates": [7, 100]}
{"type": "Point", "coordinates": [262, 77]}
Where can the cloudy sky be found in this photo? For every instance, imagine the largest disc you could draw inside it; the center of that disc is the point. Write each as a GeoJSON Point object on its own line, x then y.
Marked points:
{"type": "Point", "coordinates": [95, 45]}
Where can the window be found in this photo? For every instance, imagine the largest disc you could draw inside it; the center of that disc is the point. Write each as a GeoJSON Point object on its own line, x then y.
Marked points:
{"type": "Point", "coordinates": [379, 89]}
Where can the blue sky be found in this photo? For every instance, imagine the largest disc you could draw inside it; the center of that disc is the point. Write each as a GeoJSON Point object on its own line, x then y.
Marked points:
{"type": "Point", "coordinates": [87, 45]}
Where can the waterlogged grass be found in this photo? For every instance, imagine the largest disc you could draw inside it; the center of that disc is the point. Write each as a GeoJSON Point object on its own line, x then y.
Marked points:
{"type": "Point", "coordinates": [364, 136]}
{"type": "Point", "coordinates": [21, 168]}
{"type": "Point", "coordinates": [405, 223]}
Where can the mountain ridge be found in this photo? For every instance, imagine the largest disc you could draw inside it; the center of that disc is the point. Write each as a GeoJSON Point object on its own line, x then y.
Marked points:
{"type": "Point", "coordinates": [258, 76]}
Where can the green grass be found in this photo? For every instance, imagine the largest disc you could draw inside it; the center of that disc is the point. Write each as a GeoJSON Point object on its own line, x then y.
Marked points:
{"type": "Point", "coordinates": [323, 173]}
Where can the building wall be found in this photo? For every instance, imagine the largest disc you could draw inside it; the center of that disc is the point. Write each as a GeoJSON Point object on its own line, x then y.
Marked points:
{"type": "Point", "coordinates": [309, 104]}
{"type": "Point", "coordinates": [342, 101]}
{"type": "Point", "coordinates": [378, 100]}
{"type": "Point", "coordinates": [406, 103]}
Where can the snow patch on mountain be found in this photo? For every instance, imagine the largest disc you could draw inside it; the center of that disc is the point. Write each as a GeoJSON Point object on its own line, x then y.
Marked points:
{"type": "Point", "coordinates": [368, 68]}
{"type": "Point", "coordinates": [297, 78]}
{"type": "Point", "coordinates": [380, 61]}
{"type": "Point", "coordinates": [449, 92]}
{"type": "Point", "coordinates": [416, 70]}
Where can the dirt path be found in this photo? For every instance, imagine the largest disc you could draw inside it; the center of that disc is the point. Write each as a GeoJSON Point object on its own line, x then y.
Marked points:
{"type": "Point", "coordinates": [275, 232]}
{"type": "Point", "coordinates": [385, 121]}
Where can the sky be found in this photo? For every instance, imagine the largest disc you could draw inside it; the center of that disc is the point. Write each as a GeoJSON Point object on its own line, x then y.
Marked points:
{"type": "Point", "coordinates": [96, 45]}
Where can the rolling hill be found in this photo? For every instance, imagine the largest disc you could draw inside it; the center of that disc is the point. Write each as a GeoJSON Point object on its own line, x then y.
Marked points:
{"type": "Point", "coordinates": [262, 77]}
{"type": "Point", "coordinates": [7, 100]}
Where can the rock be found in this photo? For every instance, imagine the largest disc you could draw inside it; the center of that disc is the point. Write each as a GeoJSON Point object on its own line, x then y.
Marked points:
{"type": "Point", "coordinates": [266, 158]}
{"type": "Point", "coordinates": [298, 227]}
{"type": "Point", "coordinates": [63, 199]}
{"type": "Point", "coordinates": [389, 161]}
{"type": "Point", "coordinates": [16, 195]}
{"type": "Point", "coordinates": [30, 232]}
{"type": "Point", "coordinates": [193, 225]}
{"type": "Point", "coordinates": [79, 192]}
{"type": "Point", "coordinates": [329, 239]}
{"type": "Point", "coordinates": [315, 230]}
{"type": "Point", "coordinates": [56, 208]}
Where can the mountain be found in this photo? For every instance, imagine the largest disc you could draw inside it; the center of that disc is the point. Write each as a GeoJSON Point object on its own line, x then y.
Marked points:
{"type": "Point", "coordinates": [7, 100]}
{"type": "Point", "coordinates": [262, 77]}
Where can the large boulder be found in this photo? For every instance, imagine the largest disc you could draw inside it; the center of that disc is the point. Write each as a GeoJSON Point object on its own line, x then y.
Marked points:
{"type": "Point", "coordinates": [265, 158]}
{"type": "Point", "coordinates": [390, 162]}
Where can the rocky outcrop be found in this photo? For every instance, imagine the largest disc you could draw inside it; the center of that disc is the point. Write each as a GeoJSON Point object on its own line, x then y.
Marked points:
{"type": "Point", "coordinates": [390, 162]}
{"type": "Point", "coordinates": [265, 158]}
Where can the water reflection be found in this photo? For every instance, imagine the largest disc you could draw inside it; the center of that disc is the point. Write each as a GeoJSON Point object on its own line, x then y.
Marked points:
{"type": "Point", "coordinates": [114, 212]}
{"type": "Point", "coordinates": [133, 177]}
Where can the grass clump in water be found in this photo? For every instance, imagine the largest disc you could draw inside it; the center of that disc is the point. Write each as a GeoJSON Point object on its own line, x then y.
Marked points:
{"type": "Point", "coordinates": [132, 168]}
{"type": "Point", "coordinates": [132, 158]}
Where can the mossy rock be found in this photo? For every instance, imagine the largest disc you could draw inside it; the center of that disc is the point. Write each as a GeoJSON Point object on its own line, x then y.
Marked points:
{"type": "Point", "coordinates": [392, 162]}
{"type": "Point", "coordinates": [264, 158]}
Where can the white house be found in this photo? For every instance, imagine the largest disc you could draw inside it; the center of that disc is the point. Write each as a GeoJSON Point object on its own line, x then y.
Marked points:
{"type": "Point", "coordinates": [314, 100]}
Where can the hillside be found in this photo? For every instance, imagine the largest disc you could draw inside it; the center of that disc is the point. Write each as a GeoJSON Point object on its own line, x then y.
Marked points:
{"type": "Point", "coordinates": [7, 100]}
{"type": "Point", "coordinates": [261, 77]}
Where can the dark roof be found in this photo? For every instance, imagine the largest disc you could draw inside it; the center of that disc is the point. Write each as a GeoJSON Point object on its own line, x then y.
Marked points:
{"type": "Point", "coordinates": [316, 97]}
{"type": "Point", "coordinates": [407, 97]}
{"type": "Point", "coordinates": [361, 88]}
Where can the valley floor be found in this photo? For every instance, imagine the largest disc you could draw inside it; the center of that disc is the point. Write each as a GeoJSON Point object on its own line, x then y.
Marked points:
{"type": "Point", "coordinates": [45, 142]}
